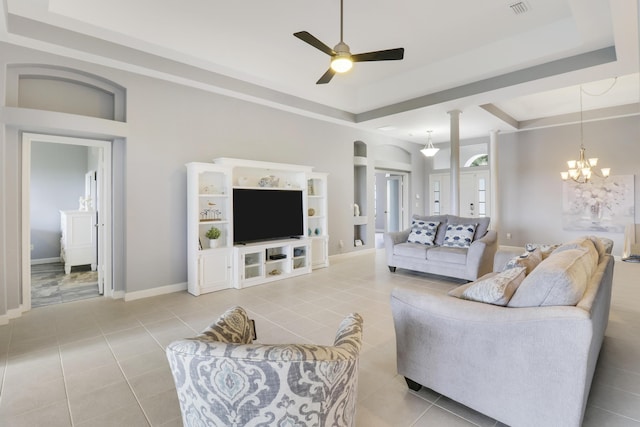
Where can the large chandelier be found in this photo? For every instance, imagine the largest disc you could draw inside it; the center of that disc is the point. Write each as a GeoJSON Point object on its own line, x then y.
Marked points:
{"type": "Point", "coordinates": [429, 150]}
{"type": "Point", "coordinates": [582, 170]}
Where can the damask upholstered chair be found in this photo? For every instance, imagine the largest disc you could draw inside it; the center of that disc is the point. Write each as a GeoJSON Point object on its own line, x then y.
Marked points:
{"type": "Point", "coordinates": [224, 379]}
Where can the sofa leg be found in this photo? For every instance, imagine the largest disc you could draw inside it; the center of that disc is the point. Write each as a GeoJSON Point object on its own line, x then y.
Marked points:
{"type": "Point", "coordinates": [392, 269]}
{"type": "Point", "coordinates": [412, 384]}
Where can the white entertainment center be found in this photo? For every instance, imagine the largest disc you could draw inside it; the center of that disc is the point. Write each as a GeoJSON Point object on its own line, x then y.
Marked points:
{"type": "Point", "coordinates": [210, 203]}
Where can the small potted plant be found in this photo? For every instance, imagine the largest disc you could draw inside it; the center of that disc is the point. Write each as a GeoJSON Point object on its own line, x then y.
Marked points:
{"type": "Point", "coordinates": [213, 234]}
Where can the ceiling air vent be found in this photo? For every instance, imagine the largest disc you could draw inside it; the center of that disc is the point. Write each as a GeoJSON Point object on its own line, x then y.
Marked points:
{"type": "Point", "coordinates": [519, 7]}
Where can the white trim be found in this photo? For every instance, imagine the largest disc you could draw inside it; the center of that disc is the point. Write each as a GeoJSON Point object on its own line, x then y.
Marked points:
{"type": "Point", "coordinates": [45, 260]}
{"type": "Point", "coordinates": [351, 254]}
{"type": "Point", "coordinates": [160, 290]}
{"type": "Point", "coordinates": [13, 313]}
{"type": "Point", "coordinates": [107, 235]}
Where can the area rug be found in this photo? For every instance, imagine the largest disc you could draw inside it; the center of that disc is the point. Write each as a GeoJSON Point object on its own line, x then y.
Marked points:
{"type": "Point", "coordinates": [49, 284]}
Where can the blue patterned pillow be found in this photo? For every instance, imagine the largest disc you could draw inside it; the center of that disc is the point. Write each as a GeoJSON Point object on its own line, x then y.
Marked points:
{"type": "Point", "coordinates": [423, 232]}
{"type": "Point", "coordinates": [459, 235]}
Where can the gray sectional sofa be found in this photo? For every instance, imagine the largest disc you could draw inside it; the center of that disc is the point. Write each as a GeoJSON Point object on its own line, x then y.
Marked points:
{"type": "Point", "coordinates": [437, 258]}
{"type": "Point", "coordinates": [526, 359]}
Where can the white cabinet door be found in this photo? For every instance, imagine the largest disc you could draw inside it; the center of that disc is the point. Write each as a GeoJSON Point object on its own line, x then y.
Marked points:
{"type": "Point", "coordinates": [215, 270]}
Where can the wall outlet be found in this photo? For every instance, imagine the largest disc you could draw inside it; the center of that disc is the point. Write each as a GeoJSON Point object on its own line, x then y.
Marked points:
{"type": "Point", "coordinates": [341, 244]}
{"type": "Point", "coordinates": [508, 236]}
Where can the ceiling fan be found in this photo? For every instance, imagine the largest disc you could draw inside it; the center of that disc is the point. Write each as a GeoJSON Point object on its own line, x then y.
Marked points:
{"type": "Point", "coordinates": [341, 58]}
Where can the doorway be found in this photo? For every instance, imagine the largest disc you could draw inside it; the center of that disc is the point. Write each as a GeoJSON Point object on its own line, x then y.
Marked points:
{"type": "Point", "coordinates": [391, 198]}
{"type": "Point", "coordinates": [66, 243]}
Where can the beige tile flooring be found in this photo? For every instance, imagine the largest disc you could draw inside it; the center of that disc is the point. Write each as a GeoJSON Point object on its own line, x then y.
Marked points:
{"type": "Point", "coordinates": [101, 362]}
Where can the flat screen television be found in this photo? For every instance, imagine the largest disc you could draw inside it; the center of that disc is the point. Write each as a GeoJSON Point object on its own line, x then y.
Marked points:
{"type": "Point", "coordinates": [266, 214]}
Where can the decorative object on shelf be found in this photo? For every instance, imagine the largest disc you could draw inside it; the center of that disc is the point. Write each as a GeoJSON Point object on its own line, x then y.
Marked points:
{"type": "Point", "coordinates": [317, 231]}
{"type": "Point", "coordinates": [210, 214]}
{"type": "Point", "coordinates": [274, 272]}
{"type": "Point", "coordinates": [356, 210]}
{"type": "Point", "coordinates": [581, 170]}
{"type": "Point", "coordinates": [309, 232]}
{"type": "Point", "coordinates": [429, 150]}
{"type": "Point", "coordinates": [213, 234]}
{"type": "Point", "coordinates": [310, 188]}
{"type": "Point", "coordinates": [85, 204]}
{"type": "Point", "coordinates": [311, 212]}
{"type": "Point", "coordinates": [269, 181]}
{"type": "Point", "coordinates": [298, 252]}
{"type": "Point", "coordinates": [357, 242]}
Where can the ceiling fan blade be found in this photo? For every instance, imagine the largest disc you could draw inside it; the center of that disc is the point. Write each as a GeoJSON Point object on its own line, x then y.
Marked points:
{"type": "Point", "coordinates": [326, 77]}
{"type": "Point", "coordinates": [307, 37]}
{"type": "Point", "coordinates": [380, 55]}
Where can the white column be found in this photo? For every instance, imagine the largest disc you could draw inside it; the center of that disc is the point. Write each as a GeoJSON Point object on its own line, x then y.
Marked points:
{"type": "Point", "coordinates": [454, 121]}
{"type": "Point", "coordinates": [493, 176]}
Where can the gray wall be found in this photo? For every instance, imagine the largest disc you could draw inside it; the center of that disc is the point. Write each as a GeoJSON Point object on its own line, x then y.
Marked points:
{"type": "Point", "coordinates": [530, 188]}
{"type": "Point", "coordinates": [57, 182]}
{"type": "Point", "coordinates": [167, 126]}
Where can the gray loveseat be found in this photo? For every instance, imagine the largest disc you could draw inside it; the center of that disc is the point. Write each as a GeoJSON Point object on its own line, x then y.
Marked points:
{"type": "Point", "coordinates": [529, 363]}
{"type": "Point", "coordinates": [462, 263]}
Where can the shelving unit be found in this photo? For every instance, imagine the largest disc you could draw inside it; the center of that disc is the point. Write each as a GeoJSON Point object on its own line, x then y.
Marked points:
{"type": "Point", "coordinates": [317, 219]}
{"type": "Point", "coordinates": [208, 205]}
{"type": "Point", "coordinates": [360, 164]}
{"type": "Point", "coordinates": [269, 261]}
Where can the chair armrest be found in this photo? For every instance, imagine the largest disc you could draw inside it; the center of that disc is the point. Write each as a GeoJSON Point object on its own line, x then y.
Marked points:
{"type": "Point", "coordinates": [480, 255]}
{"type": "Point", "coordinates": [395, 237]}
{"type": "Point", "coordinates": [234, 326]}
{"type": "Point", "coordinates": [391, 239]}
{"type": "Point", "coordinates": [349, 334]}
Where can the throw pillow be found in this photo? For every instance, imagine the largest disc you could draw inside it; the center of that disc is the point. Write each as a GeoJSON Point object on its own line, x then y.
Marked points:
{"type": "Point", "coordinates": [560, 279]}
{"type": "Point", "coordinates": [528, 260]}
{"type": "Point", "coordinates": [423, 232]}
{"type": "Point", "coordinates": [459, 235]}
{"type": "Point", "coordinates": [496, 289]}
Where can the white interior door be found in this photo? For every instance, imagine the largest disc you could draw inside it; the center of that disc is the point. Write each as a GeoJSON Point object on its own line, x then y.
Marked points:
{"type": "Point", "coordinates": [393, 211]}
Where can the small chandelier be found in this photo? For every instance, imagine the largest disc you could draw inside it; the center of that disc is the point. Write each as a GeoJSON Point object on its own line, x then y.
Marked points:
{"type": "Point", "coordinates": [429, 150]}
{"type": "Point", "coordinates": [581, 170]}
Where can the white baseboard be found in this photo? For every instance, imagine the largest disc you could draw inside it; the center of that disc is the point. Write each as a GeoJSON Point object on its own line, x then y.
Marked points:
{"type": "Point", "coordinates": [45, 260]}
{"type": "Point", "coordinates": [12, 313]}
{"type": "Point", "coordinates": [352, 253]}
{"type": "Point", "coordinates": [161, 290]}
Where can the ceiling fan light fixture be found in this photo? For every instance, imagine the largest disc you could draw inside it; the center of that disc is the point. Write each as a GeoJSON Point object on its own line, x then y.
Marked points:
{"type": "Point", "coordinates": [342, 62]}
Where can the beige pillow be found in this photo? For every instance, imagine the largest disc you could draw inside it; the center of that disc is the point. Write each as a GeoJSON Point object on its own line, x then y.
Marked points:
{"type": "Point", "coordinates": [493, 288]}
{"type": "Point", "coordinates": [560, 279]}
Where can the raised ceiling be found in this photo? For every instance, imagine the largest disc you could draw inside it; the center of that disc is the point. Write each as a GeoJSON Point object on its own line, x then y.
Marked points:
{"type": "Point", "coordinates": [504, 64]}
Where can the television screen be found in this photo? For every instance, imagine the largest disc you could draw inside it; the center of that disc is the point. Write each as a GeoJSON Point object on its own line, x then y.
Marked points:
{"type": "Point", "coordinates": [266, 214]}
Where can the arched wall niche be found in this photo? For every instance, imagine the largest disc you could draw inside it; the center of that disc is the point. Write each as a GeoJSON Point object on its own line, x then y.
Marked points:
{"type": "Point", "coordinates": [65, 90]}
{"type": "Point", "coordinates": [392, 153]}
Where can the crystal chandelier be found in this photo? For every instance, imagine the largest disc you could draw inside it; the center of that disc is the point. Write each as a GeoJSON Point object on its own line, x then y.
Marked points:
{"type": "Point", "coordinates": [429, 150]}
{"type": "Point", "coordinates": [582, 170]}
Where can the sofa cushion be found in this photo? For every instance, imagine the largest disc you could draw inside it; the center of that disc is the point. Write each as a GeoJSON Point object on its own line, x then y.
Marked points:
{"type": "Point", "coordinates": [423, 232]}
{"type": "Point", "coordinates": [459, 235]}
{"type": "Point", "coordinates": [447, 254]}
{"type": "Point", "coordinates": [442, 219]}
{"type": "Point", "coordinates": [528, 260]}
{"type": "Point", "coordinates": [560, 279]}
{"type": "Point", "coordinates": [492, 288]}
{"type": "Point", "coordinates": [411, 250]}
{"type": "Point", "coordinates": [482, 224]}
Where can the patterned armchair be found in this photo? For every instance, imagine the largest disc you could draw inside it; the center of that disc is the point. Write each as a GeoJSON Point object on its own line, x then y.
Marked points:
{"type": "Point", "coordinates": [223, 379]}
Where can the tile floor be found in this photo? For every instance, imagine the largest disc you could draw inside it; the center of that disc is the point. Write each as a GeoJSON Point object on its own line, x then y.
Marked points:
{"type": "Point", "coordinates": [101, 362]}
